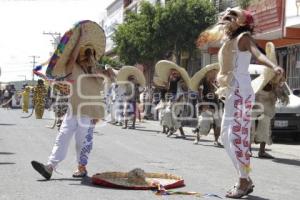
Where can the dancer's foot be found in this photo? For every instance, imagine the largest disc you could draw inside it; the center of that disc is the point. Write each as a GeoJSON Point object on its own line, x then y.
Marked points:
{"type": "Point", "coordinates": [80, 172]}
{"type": "Point", "coordinates": [218, 144]}
{"type": "Point", "coordinates": [197, 140]}
{"type": "Point", "coordinates": [245, 187]}
{"type": "Point", "coordinates": [44, 170]}
{"type": "Point", "coordinates": [265, 155]}
{"type": "Point", "coordinates": [171, 131]}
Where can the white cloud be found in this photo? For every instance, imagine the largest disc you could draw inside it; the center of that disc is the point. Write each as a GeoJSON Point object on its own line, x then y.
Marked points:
{"type": "Point", "coordinates": [22, 26]}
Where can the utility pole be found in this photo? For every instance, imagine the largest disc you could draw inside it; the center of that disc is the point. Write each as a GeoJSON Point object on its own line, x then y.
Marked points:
{"type": "Point", "coordinates": [56, 37]}
{"type": "Point", "coordinates": [33, 64]}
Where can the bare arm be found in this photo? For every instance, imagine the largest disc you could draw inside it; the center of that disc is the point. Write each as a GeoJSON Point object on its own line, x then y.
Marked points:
{"type": "Point", "coordinates": [74, 54]}
{"type": "Point", "coordinates": [246, 43]}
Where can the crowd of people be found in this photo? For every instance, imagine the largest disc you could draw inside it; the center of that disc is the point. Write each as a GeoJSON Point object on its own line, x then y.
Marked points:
{"type": "Point", "coordinates": [6, 96]}
{"type": "Point", "coordinates": [218, 97]}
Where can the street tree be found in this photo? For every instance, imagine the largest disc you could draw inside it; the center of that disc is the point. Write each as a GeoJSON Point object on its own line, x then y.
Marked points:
{"type": "Point", "coordinates": [147, 36]}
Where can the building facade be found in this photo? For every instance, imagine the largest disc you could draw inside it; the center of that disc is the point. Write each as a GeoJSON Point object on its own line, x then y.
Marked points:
{"type": "Point", "coordinates": [277, 21]}
{"type": "Point", "coordinates": [116, 12]}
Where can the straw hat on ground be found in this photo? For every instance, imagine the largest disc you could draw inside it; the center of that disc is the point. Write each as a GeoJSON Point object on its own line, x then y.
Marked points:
{"type": "Point", "coordinates": [137, 179]}
{"type": "Point", "coordinates": [197, 78]}
{"type": "Point", "coordinates": [95, 38]}
{"type": "Point", "coordinates": [164, 67]}
{"type": "Point", "coordinates": [128, 71]}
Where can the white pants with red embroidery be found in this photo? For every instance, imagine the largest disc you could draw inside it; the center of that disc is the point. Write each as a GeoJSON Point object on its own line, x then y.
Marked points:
{"type": "Point", "coordinates": [235, 128]}
{"type": "Point", "coordinates": [82, 128]}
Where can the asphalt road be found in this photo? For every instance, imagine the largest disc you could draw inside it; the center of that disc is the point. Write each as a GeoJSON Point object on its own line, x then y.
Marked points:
{"type": "Point", "coordinates": [205, 169]}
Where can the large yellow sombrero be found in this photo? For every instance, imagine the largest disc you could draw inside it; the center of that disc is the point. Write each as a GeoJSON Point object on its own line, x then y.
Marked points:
{"type": "Point", "coordinates": [163, 68]}
{"type": "Point", "coordinates": [268, 74]}
{"type": "Point", "coordinates": [127, 71]}
{"type": "Point", "coordinates": [197, 78]}
{"type": "Point", "coordinates": [158, 82]}
{"type": "Point", "coordinates": [94, 37]}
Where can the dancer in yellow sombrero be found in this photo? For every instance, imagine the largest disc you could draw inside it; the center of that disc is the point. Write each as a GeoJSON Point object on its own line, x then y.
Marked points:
{"type": "Point", "coordinates": [177, 83]}
{"type": "Point", "coordinates": [235, 29]}
{"type": "Point", "coordinates": [85, 45]}
{"type": "Point", "coordinates": [209, 109]}
{"type": "Point", "coordinates": [268, 88]}
{"type": "Point", "coordinates": [131, 79]}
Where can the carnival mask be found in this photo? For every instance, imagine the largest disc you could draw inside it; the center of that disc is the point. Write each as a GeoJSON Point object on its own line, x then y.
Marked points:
{"type": "Point", "coordinates": [87, 57]}
{"type": "Point", "coordinates": [234, 18]}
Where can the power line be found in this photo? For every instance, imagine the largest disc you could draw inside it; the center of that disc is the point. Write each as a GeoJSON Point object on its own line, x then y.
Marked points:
{"type": "Point", "coordinates": [56, 37]}
{"type": "Point", "coordinates": [34, 64]}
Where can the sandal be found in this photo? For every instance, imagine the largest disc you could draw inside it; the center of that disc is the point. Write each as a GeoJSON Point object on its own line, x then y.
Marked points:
{"type": "Point", "coordinates": [265, 155]}
{"type": "Point", "coordinates": [80, 172]}
{"type": "Point", "coordinates": [218, 144]}
{"type": "Point", "coordinates": [236, 193]}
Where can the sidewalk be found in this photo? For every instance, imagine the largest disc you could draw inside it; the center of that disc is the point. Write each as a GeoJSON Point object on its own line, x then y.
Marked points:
{"type": "Point", "coordinates": [283, 150]}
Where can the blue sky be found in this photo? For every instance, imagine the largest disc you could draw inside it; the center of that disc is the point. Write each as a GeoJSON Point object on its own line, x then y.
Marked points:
{"type": "Point", "coordinates": [23, 23]}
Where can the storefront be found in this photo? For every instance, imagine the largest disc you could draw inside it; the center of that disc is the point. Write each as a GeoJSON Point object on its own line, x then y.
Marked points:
{"type": "Point", "coordinates": [279, 22]}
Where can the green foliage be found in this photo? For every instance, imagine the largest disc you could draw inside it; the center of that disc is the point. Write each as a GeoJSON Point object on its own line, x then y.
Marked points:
{"type": "Point", "coordinates": [244, 3]}
{"type": "Point", "coordinates": [134, 38]}
{"type": "Point", "coordinates": [182, 21]}
{"type": "Point", "coordinates": [147, 36]}
{"type": "Point", "coordinates": [108, 61]}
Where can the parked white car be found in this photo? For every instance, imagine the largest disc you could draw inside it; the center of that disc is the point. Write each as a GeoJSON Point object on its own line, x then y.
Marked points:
{"type": "Point", "coordinates": [286, 121]}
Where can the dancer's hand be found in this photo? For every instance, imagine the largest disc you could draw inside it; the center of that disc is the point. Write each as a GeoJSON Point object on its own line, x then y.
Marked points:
{"type": "Point", "coordinates": [279, 70]}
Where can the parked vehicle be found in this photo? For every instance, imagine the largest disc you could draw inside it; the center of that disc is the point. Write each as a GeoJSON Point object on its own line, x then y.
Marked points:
{"type": "Point", "coordinates": [286, 122]}
{"type": "Point", "coordinates": [296, 92]}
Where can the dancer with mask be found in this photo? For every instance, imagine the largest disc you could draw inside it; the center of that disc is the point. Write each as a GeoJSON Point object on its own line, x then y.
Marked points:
{"type": "Point", "coordinates": [83, 46]}
{"type": "Point", "coordinates": [235, 30]}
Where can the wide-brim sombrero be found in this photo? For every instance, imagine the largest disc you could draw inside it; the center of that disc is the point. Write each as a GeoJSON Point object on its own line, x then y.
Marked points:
{"type": "Point", "coordinates": [120, 180]}
{"type": "Point", "coordinates": [110, 68]}
{"type": "Point", "coordinates": [127, 71]}
{"type": "Point", "coordinates": [94, 36]}
{"type": "Point", "coordinates": [197, 78]}
{"type": "Point", "coordinates": [158, 82]}
{"type": "Point", "coordinates": [163, 68]}
{"type": "Point", "coordinates": [263, 79]}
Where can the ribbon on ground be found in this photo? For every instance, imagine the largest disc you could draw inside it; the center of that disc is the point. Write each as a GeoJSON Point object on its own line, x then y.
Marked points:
{"type": "Point", "coordinates": [161, 191]}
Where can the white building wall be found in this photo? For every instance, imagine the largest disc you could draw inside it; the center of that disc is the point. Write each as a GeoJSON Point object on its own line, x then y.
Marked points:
{"type": "Point", "coordinates": [114, 18]}
{"type": "Point", "coordinates": [292, 13]}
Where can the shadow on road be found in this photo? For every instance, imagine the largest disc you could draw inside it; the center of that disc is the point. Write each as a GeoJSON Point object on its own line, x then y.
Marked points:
{"type": "Point", "coordinates": [6, 153]}
{"type": "Point", "coordinates": [287, 161]}
{"type": "Point", "coordinates": [137, 129]}
{"type": "Point", "coordinates": [1, 124]}
{"type": "Point", "coordinates": [60, 179]}
{"type": "Point", "coordinates": [7, 163]}
{"type": "Point", "coordinates": [252, 197]}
